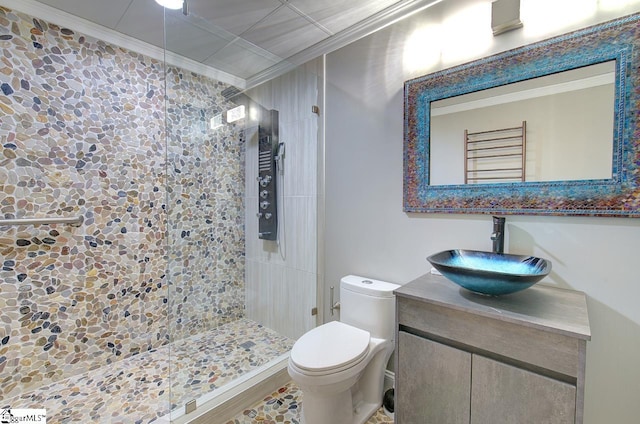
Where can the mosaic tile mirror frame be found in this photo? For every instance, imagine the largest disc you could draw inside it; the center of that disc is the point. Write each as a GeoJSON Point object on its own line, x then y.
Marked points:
{"type": "Point", "coordinates": [618, 196]}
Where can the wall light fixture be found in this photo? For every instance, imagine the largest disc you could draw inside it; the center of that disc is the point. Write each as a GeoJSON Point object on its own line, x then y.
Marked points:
{"type": "Point", "coordinates": [171, 4]}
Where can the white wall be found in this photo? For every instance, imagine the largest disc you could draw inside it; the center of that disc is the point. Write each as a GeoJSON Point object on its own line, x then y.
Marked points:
{"type": "Point", "coordinates": [367, 232]}
{"type": "Point", "coordinates": [281, 280]}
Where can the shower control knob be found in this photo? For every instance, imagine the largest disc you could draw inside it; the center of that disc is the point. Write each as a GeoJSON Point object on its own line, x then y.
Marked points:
{"type": "Point", "coordinates": [264, 205]}
{"type": "Point", "coordinates": [259, 215]}
{"type": "Point", "coordinates": [267, 215]}
{"type": "Point", "coordinates": [264, 194]}
{"type": "Point", "coordinates": [265, 181]}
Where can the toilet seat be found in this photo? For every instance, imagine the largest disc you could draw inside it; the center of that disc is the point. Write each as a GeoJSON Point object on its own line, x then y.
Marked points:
{"type": "Point", "coordinates": [330, 348]}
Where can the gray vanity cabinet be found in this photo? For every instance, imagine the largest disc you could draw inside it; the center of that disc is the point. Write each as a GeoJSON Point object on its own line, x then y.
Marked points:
{"type": "Point", "coordinates": [504, 394]}
{"type": "Point", "coordinates": [436, 382]}
{"type": "Point", "coordinates": [464, 358]}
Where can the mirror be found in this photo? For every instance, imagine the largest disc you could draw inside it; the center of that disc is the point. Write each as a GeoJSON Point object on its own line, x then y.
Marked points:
{"type": "Point", "coordinates": [569, 130]}
{"type": "Point", "coordinates": [544, 129]}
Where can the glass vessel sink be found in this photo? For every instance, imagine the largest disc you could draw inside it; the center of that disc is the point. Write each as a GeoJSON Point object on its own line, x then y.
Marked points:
{"type": "Point", "coordinates": [490, 273]}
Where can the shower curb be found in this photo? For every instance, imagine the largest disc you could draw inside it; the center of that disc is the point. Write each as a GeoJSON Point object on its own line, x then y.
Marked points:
{"type": "Point", "coordinates": [223, 408]}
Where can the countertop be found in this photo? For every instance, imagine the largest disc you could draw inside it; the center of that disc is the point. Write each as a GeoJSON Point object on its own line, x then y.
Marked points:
{"type": "Point", "coordinates": [543, 307]}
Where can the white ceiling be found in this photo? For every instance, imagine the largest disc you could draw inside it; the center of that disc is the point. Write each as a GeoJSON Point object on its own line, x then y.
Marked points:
{"type": "Point", "coordinates": [249, 39]}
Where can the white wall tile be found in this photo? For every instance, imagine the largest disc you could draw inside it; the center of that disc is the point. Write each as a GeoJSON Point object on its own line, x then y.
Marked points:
{"type": "Point", "coordinates": [262, 95]}
{"type": "Point", "coordinates": [301, 158]}
{"type": "Point", "coordinates": [300, 233]}
{"type": "Point", "coordinates": [300, 299]}
{"type": "Point", "coordinates": [280, 298]}
{"type": "Point", "coordinates": [285, 97]}
{"type": "Point", "coordinates": [308, 86]}
{"type": "Point", "coordinates": [281, 277]}
{"type": "Point", "coordinates": [264, 293]}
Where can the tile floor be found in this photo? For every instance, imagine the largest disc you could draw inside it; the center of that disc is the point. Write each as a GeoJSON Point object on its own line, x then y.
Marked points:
{"type": "Point", "coordinates": [139, 390]}
{"type": "Point", "coordinates": [136, 390]}
{"type": "Point", "coordinates": [283, 406]}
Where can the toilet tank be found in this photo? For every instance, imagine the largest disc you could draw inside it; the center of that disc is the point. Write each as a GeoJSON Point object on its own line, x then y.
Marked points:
{"type": "Point", "coordinates": [368, 304]}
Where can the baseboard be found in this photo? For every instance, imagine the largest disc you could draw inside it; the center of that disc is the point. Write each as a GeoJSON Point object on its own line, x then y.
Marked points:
{"type": "Point", "coordinates": [389, 380]}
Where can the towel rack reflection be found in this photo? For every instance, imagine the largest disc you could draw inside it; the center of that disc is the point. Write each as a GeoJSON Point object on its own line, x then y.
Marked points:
{"type": "Point", "coordinates": [74, 222]}
{"type": "Point", "coordinates": [494, 155]}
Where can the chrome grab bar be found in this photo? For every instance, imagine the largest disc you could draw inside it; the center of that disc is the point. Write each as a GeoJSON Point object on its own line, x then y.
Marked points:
{"type": "Point", "coordinates": [74, 222]}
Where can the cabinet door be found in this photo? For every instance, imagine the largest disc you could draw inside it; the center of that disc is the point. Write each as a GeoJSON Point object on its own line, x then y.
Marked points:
{"type": "Point", "coordinates": [503, 394]}
{"type": "Point", "coordinates": [433, 384]}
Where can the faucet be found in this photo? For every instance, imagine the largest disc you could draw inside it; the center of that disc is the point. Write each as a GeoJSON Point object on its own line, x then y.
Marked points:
{"type": "Point", "coordinates": [498, 234]}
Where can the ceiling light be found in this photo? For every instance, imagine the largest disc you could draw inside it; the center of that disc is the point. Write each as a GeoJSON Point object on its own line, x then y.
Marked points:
{"type": "Point", "coordinates": [216, 122]}
{"type": "Point", "coordinates": [235, 114]}
{"type": "Point", "coordinates": [171, 4]}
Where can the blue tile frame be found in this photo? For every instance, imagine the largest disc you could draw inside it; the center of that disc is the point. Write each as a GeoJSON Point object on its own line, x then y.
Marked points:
{"type": "Point", "coordinates": [618, 196]}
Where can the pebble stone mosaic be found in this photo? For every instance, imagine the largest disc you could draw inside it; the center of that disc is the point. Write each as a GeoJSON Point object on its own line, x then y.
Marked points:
{"type": "Point", "coordinates": [145, 387]}
{"type": "Point", "coordinates": [95, 130]}
{"type": "Point", "coordinates": [284, 407]}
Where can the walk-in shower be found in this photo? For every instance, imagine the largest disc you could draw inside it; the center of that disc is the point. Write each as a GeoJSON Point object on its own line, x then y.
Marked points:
{"type": "Point", "coordinates": [164, 294]}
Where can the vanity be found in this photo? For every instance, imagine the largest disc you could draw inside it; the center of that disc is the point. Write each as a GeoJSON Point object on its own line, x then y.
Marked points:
{"type": "Point", "coordinates": [467, 358]}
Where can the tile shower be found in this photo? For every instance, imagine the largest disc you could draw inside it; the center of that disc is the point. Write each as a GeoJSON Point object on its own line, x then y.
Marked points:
{"type": "Point", "coordinates": [145, 301]}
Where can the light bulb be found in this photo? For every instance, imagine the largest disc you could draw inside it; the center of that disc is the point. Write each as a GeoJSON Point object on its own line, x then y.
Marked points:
{"type": "Point", "coordinates": [171, 4]}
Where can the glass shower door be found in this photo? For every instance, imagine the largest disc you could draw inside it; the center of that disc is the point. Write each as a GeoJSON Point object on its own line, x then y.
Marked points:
{"type": "Point", "coordinates": [237, 302]}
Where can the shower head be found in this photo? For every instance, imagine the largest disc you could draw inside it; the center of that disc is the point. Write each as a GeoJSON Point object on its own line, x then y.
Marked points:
{"type": "Point", "coordinates": [231, 92]}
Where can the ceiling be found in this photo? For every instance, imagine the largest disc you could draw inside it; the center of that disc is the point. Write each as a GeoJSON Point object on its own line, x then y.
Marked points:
{"type": "Point", "coordinates": [252, 40]}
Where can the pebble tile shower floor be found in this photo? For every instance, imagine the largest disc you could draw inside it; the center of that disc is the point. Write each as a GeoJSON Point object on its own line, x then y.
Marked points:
{"type": "Point", "coordinates": [284, 406]}
{"type": "Point", "coordinates": [136, 390]}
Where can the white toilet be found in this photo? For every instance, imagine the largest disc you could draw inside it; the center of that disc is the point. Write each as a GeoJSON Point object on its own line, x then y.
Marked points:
{"type": "Point", "coordinates": [339, 366]}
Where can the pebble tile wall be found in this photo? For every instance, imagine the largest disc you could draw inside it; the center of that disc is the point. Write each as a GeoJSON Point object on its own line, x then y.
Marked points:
{"type": "Point", "coordinates": [82, 132]}
{"type": "Point", "coordinates": [205, 184]}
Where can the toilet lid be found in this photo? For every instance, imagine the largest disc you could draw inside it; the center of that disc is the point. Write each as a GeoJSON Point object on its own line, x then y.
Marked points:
{"type": "Point", "coordinates": [330, 346]}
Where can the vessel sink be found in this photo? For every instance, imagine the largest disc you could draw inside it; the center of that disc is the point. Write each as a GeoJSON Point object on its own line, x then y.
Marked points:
{"type": "Point", "coordinates": [490, 273]}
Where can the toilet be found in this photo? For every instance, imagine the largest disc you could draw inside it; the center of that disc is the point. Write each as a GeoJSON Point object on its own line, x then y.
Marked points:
{"type": "Point", "coordinates": [339, 366]}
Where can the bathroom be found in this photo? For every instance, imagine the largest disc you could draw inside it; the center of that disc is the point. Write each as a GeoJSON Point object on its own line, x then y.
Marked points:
{"type": "Point", "coordinates": [360, 227]}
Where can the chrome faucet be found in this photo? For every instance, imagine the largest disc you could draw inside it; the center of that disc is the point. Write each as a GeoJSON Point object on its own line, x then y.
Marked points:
{"type": "Point", "coordinates": [498, 234]}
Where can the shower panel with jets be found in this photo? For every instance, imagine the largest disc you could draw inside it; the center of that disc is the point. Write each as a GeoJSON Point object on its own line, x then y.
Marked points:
{"type": "Point", "coordinates": [268, 150]}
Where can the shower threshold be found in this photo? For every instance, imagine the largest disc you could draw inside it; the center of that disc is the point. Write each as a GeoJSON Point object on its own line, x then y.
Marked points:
{"type": "Point", "coordinates": [223, 403]}
{"type": "Point", "coordinates": [149, 387]}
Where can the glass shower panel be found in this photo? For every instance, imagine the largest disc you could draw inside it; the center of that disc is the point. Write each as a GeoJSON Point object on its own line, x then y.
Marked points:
{"type": "Point", "coordinates": [83, 318]}
{"type": "Point", "coordinates": [165, 287]}
{"type": "Point", "coordinates": [205, 183]}
{"type": "Point", "coordinates": [281, 275]}
{"type": "Point", "coordinates": [237, 302]}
